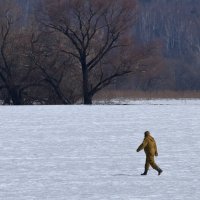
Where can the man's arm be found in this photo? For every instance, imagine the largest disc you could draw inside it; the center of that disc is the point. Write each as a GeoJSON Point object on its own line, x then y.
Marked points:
{"type": "Point", "coordinates": [143, 145]}
{"type": "Point", "coordinates": [156, 150]}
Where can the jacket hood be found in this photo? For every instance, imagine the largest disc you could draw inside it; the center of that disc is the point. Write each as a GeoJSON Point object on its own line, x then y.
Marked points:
{"type": "Point", "coordinates": [149, 137]}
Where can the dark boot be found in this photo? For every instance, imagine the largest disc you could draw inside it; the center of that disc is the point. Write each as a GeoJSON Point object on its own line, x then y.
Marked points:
{"type": "Point", "coordinates": [159, 171]}
{"type": "Point", "coordinates": [145, 173]}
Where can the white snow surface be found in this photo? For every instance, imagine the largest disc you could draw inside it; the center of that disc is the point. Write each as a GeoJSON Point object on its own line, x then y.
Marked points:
{"type": "Point", "coordinates": [89, 152]}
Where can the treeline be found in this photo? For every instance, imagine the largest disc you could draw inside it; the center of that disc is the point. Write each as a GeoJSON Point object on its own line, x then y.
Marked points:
{"type": "Point", "coordinates": [67, 51]}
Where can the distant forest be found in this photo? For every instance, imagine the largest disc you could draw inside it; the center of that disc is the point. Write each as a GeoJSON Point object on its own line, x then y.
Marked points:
{"type": "Point", "coordinates": [176, 25]}
{"type": "Point", "coordinates": [71, 51]}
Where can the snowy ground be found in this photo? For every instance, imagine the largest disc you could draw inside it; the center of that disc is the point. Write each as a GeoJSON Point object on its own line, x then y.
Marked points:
{"type": "Point", "coordinates": [89, 152]}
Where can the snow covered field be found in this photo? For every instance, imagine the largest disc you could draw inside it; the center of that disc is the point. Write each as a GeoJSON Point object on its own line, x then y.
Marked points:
{"type": "Point", "coordinates": [89, 152]}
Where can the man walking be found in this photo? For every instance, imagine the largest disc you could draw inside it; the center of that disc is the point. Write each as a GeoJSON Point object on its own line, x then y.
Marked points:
{"type": "Point", "coordinates": [150, 148]}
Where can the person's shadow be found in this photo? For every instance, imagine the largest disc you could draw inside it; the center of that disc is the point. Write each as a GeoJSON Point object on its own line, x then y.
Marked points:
{"type": "Point", "coordinates": [124, 175]}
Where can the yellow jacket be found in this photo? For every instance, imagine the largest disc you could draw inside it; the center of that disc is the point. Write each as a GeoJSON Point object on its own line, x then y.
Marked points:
{"type": "Point", "coordinates": [149, 146]}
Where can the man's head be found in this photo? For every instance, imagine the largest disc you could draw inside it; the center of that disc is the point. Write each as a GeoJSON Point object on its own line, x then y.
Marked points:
{"type": "Point", "coordinates": [146, 133]}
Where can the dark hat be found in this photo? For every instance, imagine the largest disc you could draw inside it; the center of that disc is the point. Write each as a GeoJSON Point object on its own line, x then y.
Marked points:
{"type": "Point", "coordinates": [146, 133]}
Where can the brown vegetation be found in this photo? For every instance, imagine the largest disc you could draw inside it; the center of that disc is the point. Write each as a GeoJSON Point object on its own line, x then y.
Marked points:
{"type": "Point", "coordinates": [108, 95]}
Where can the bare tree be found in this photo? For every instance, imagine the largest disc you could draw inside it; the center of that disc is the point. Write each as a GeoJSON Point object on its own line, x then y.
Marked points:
{"type": "Point", "coordinates": [94, 31]}
{"type": "Point", "coordinates": [33, 69]}
{"type": "Point", "coordinates": [15, 69]}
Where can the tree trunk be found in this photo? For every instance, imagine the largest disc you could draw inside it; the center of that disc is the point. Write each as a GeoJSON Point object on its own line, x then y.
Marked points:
{"type": "Point", "coordinates": [15, 97]}
{"type": "Point", "coordinates": [86, 96]}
